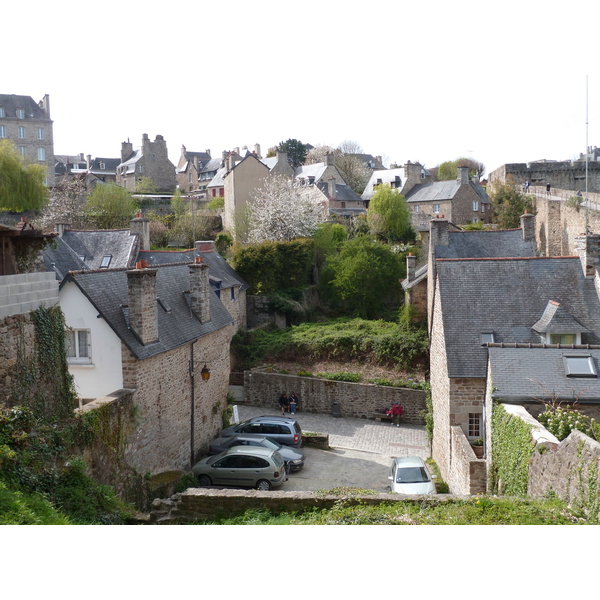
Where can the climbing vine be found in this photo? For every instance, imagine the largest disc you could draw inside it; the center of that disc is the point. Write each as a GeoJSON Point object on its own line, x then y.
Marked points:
{"type": "Point", "coordinates": [43, 382]}
{"type": "Point", "coordinates": [511, 450]}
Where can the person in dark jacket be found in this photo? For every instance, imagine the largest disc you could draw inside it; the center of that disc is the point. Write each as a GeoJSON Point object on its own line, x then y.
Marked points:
{"type": "Point", "coordinates": [284, 403]}
{"type": "Point", "coordinates": [294, 401]}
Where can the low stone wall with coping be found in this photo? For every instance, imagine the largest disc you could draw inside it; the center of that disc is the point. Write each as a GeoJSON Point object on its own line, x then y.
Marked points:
{"type": "Point", "coordinates": [319, 395]}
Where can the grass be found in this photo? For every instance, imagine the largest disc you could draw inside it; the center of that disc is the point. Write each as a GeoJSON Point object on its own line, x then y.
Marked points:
{"type": "Point", "coordinates": [478, 510]}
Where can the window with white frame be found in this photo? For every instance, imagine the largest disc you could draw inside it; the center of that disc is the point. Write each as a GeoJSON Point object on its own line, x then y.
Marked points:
{"type": "Point", "coordinates": [2, 112]}
{"type": "Point", "coordinates": [567, 339]}
{"type": "Point", "coordinates": [482, 207]}
{"type": "Point", "coordinates": [40, 133]}
{"type": "Point", "coordinates": [22, 151]}
{"type": "Point", "coordinates": [2, 131]}
{"type": "Point", "coordinates": [78, 345]}
{"type": "Point", "coordinates": [475, 205]}
{"type": "Point", "coordinates": [20, 113]}
{"type": "Point", "coordinates": [102, 166]}
{"type": "Point", "coordinates": [41, 153]}
{"type": "Point", "coordinates": [416, 208]}
{"type": "Point", "coordinates": [436, 208]}
{"type": "Point", "coordinates": [474, 425]}
{"type": "Point", "coordinates": [22, 133]}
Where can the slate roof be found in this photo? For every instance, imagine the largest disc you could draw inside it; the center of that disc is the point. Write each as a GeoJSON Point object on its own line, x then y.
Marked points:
{"type": "Point", "coordinates": [486, 244]}
{"type": "Point", "coordinates": [132, 159]}
{"type": "Point", "coordinates": [386, 176]}
{"type": "Point", "coordinates": [93, 246]}
{"type": "Point", "coordinates": [110, 165]}
{"type": "Point", "coordinates": [219, 268]}
{"type": "Point", "coordinates": [12, 102]}
{"type": "Point", "coordinates": [508, 297]}
{"type": "Point", "coordinates": [529, 374]}
{"type": "Point", "coordinates": [177, 325]}
{"type": "Point", "coordinates": [442, 190]}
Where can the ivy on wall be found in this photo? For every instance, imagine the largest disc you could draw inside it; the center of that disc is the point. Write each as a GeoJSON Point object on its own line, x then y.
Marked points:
{"type": "Point", "coordinates": [42, 379]}
{"type": "Point", "coordinates": [511, 450]}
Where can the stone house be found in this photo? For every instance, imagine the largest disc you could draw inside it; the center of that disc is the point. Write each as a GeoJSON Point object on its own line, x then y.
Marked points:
{"type": "Point", "coordinates": [152, 330]}
{"type": "Point", "coordinates": [485, 313]}
{"type": "Point", "coordinates": [189, 167]}
{"type": "Point", "coordinates": [391, 176]}
{"type": "Point", "coordinates": [151, 160]}
{"type": "Point", "coordinates": [101, 170]}
{"type": "Point", "coordinates": [461, 201]}
{"type": "Point", "coordinates": [27, 123]}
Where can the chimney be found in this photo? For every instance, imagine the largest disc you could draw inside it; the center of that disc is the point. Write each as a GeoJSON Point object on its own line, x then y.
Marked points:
{"type": "Point", "coordinates": [331, 188]}
{"type": "Point", "coordinates": [126, 150]}
{"type": "Point", "coordinates": [438, 235]}
{"type": "Point", "coordinates": [587, 247]}
{"type": "Point", "coordinates": [143, 312]}
{"type": "Point", "coordinates": [200, 289]}
{"type": "Point", "coordinates": [462, 175]}
{"type": "Point", "coordinates": [257, 151]}
{"type": "Point", "coordinates": [88, 161]}
{"type": "Point", "coordinates": [205, 246]}
{"type": "Point", "coordinates": [44, 104]}
{"type": "Point", "coordinates": [528, 227]}
{"type": "Point", "coordinates": [329, 160]}
{"type": "Point", "coordinates": [411, 263]}
{"type": "Point", "coordinates": [60, 228]}
{"type": "Point", "coordinates": [141, 226]}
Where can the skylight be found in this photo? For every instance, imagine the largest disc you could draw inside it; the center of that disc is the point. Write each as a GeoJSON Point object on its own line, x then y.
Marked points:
{"type": "Point", "coordinates": [579, 366]}
{"type": "Point", "coordinates": [105, 261]}
{"type": "Point", "coordinates": [487, 337]}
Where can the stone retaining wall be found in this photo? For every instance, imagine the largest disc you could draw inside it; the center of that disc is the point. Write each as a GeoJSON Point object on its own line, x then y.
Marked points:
{"type": "Point", "coordinates": [318, 395]}
{"type": "Point", "coordinates": [199, 504]}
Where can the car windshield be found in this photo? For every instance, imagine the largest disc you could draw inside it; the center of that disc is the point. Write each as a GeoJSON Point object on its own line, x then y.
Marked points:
{"type": "Point", "coordinates": [412, 475]}
{"type": "Point", "coordinates": [267, 443]}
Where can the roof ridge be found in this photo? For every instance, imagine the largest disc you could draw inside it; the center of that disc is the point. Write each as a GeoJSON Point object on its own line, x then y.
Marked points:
{"type": "Point", "coordinates": [505, 258]}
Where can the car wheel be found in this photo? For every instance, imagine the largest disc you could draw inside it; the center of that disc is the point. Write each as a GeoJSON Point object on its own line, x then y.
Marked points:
{"type": "Point", "coordinates": [204, 480]}
{"type": "Point", "coordinates": [263, 485]}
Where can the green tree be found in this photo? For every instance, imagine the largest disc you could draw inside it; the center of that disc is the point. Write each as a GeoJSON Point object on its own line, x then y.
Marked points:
{"type": "Point", "coordinates": [110, 206]}
{"type": "Point", "coordinates": [363, 278]}
{"type": "Point", "coordinates": [447, 171]}
{"type": "Point", "coordinates": [509, 204]}
{"type": "Point", "coordinates": [296, 151]}
{"type": "Point", "coordinates": [328, 239]}
{"type": "Point", "coordinates": [21, 186]}
{"type": "Point", "coordinates": [145, 185]}
{"type": "Point", "coordinates": [389, 215]}
{"type": "Point", "coordinates": [178, 203]}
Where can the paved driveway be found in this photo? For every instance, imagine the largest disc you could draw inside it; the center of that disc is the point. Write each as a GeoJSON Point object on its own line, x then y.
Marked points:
{"type": "Point", "coordinates": [360, 455]}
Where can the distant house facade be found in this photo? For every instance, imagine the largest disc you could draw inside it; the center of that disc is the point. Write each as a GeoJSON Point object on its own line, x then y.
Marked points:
{"type": "Point", "coordinates": [461, 201]}
{"type": "Point", "coordinates": [28, 125]}
{"type": "Point", "coordinates": [189, 167]}
{"type": "Point", "coordinates": [393, 177]}
{"type": "Point", "coordinates": [150, 160]}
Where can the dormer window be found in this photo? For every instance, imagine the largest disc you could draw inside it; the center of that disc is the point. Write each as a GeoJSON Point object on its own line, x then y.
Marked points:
{"type": "Point", "coordinates": [580, 365]}
{"type": "Point", "coordinates": [20, 113]}
{"type": "Point", "coordinates": [565, 339]}
{"type": "Point", "coordinates": [102, 166]}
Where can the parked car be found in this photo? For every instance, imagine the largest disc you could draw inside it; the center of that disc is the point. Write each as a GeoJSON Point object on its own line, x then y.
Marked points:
{"type": "Point", "coordinates": [242, 466]}
{"type": "Point", "coordinates": [410, 475]}
{"type": "Point", "coordinates": [284, 430]}
{"type": "Point", "coordinates": [293, 457]}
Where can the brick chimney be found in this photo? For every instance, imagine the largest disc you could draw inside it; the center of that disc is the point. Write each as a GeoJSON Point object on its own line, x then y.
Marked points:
{"type": "Point", "coordinates": [205, 246]}
{"type": "Point", "coordinates": [143, 312]}
{"type": "Point", "coordinates": [411, 264]}
{"type": "Point", "coordinates": [200, 289]}
{"type": "Point", "coordinates": [141, 226]}
{"type": "Point", "coordinates": [528, 227]}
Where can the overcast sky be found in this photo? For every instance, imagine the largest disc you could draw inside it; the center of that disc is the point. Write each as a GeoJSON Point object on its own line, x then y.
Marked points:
{"type": "Point", "coordinates": [421, 81]}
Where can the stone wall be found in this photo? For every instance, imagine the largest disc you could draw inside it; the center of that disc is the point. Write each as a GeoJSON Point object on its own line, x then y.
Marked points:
{"type": "Point", "coordinates": [570, 471]}
{"type": "Point", "coordinates": [467, 475]}
{"type": "Point", "coordinates": [163, 387]}
{"type": "Point", "coordinates": [318, 395]}
{"type": "Point", "coordinates": [12, 329]}
{"type": "Point", "coordinates": [198, 505]}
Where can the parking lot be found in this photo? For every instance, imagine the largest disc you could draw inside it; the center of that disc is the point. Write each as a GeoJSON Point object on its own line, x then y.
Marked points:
{"type": "Point", "coordinates": [360, 455]}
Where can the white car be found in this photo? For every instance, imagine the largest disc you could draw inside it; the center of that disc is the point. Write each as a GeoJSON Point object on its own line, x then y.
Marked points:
{"type": "Point", "coordinates": [410, 475]}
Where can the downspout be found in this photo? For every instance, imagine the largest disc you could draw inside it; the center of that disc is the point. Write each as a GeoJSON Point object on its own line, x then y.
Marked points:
{"type": "Point", "coordinates": [192, 404]}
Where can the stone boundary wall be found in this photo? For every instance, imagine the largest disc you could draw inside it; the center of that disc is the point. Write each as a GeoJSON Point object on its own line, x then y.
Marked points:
{"type": "Point", "coordinates": [21, 294]}
{"type": "Point", "coordinates": [570, 470]}
{"type": "Point", "coordinates": [200, 504]}
{"type": "Point", "coordinates": [467, 474]}
{"type": "Point", "coordinates": [318, 395]}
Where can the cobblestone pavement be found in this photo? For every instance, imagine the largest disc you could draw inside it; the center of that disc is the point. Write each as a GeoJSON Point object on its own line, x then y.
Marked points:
{"type": "Point", "coordinates": [356, 434]}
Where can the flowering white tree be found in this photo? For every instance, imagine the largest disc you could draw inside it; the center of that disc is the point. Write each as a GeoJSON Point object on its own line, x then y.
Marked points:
{"type": "Point", "coordinates": [282, 210]}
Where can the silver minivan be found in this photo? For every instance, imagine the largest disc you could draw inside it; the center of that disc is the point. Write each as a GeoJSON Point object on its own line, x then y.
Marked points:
{"type": "Point", "coordinates": [242, 466]}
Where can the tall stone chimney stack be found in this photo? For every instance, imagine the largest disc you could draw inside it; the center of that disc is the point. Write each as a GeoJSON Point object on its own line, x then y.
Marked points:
{"type": "Point", "coordinates": [462, 174]}
{"type": "Point", "coordinates": [143, 311]}
{"type": "Point", "coordinates": [528, 227]}
{"type": "Point", "coordinates": [141, 226]}
{"type": "Point", "coordinates": [200, 289]}
{"type": "Point", "coordinates": [587, 248]}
